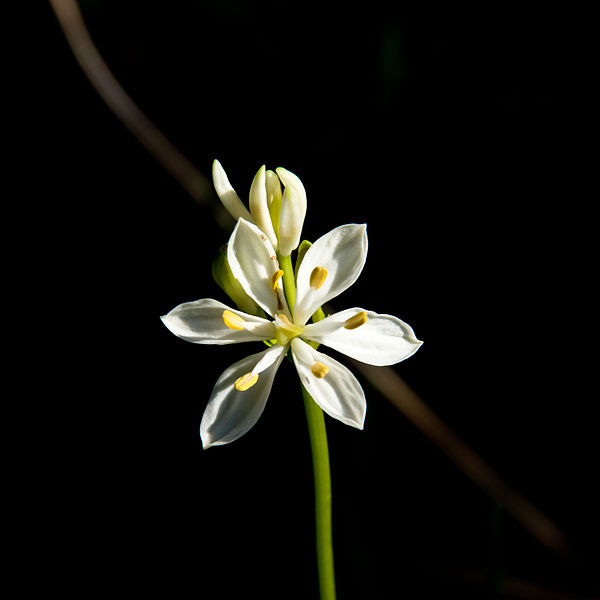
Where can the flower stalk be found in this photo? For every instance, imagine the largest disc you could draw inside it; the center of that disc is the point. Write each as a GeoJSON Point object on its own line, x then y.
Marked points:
{"type": "Point", "coordinates": [322, 476]}
{"type": "Point", "coordinates": [320, 459]}
{"type": "Point", "coordinates": [289, 281]}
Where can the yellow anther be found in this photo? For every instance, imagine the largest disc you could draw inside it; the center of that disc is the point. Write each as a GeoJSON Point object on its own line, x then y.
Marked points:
{"type": "Point", "coordinates": [317, 277]}
{"type": "Point", "coordinates": [232, 320]}
{"type": "Point", "coordinates": [356, 321]}
{"type": "Point", "coordinates": [319, 370]}
{"type": "Point", "coordinates": [246, 381]}
{"type": "Point", "coordinates": [275, 279]}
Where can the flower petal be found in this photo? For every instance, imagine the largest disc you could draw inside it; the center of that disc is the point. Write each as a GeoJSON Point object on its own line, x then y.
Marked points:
{"type": "Point", "coordinates": [293, 211]}
{"type": "Point", "coordinates": [259, 207]}
{"type": "Point", "coordinates": [231, 201]}
{"type": "Point", "coordinates": [253, 263]}
{"type": "Point", "coordinates": [380, 340]}
{"type": "Point", "coordinates": [342, 252]}
{"type": "Point", "coordinates": [333, 387]}
{"type": "Point", "coordinates": [230, 413]}
{"type": "Point", "coordinates": [201, 322]}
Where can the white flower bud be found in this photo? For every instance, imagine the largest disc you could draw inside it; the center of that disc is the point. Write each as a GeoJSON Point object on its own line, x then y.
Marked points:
{"type": "Point", "coordinates": [293, 211]}
{"type": "Point", "coordinates": [231, 201]}
{"type": "Point", "coordinates": [259, 206]}
{"type": "Point", "coordinates": [274, 195]}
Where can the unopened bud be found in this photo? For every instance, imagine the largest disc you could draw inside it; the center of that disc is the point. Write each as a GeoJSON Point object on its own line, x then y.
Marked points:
{"type": "Point", "coordinates": [293, 211]}
{"type": "Point", "coordinates": [259, 206]}
{"type": "Point", "coordinates": [274, 196]}
{"type": "Point", "coordinates": [231, 201]}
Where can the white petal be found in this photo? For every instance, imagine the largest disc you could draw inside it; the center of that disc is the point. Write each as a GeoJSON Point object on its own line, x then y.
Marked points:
{"type": "Point", "coordinates": [231, 201]}
{"type": "Point", "coordinates": [382, 340]}
{"type": "Point", "coordinates": [338, 393]}
{"type": "Point", "coordinates": [259, 207]}
{"type": "Point", "coordinates": [342, 252]}
{"type": "Point", "coordinates": [293, 212]}
{"type": "Point", "coordinates": [231, 413]}
{"type": "Point", "coordinates": [253, 263]}
{"type": "Point", "coordinates": [202, 322]}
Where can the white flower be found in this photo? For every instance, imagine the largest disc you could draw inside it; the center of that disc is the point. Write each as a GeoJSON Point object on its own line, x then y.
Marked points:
{"type": "Point", "coordinates": [330, 266]}
{"type": "Point", "coordinates": [279, 216]}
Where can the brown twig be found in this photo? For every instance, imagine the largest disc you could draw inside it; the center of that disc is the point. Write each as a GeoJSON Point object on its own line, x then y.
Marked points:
{"type": "Point", "coordinates": [510, 587]}
{"type": "Point", "coordinates": [390, 385]}
{"type": "Point", "coordinates": [93, 65]}
{"type": "Point", "coordinates": [384, 379]}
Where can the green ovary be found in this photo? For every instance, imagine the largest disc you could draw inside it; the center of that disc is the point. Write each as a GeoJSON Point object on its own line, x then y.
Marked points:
{"type": "Point", "coordinates": [285, 330]}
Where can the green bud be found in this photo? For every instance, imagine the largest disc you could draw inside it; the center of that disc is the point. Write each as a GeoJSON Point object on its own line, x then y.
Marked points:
{"type": "Point", "coordinates": [222, 274]}
{"type": "Point", "coordinates": [302, 248]}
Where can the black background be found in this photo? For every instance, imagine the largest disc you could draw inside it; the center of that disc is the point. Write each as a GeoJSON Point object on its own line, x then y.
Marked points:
{"type": "Point", "coordinates": [452, 133]}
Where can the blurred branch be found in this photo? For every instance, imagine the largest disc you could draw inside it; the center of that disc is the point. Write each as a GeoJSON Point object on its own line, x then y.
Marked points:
{"type": "Point", "coordinates": [93, 65]}
{"type": "Point", "coordinates": [512, 587]}
{"type": "Point", "coordinates": [388, 383]}
{"type": "Point", "coordinates": [383, 379]}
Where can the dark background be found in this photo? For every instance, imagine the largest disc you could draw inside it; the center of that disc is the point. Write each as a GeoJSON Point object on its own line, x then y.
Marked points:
{"type": "Point", "coordinates": [452, 133]}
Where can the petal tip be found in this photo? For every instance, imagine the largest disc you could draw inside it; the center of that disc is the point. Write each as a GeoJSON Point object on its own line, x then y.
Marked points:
{"type": "Point", "coordinates": [207, 440]}
{"type": "Point", "coordinates": [244, 223]}
{"type": "Point", "coordinates": [360, 425]}
{"type": "Point", "coordinates": [290, 179]}
{"type": "Point", "coordinates": [217, 170]}
{"type": "Point", "coordinates": [167, 321]}
{"type": "Point", "coordinates": [412, 338]}
{"type": "Point", "coordinates": [206, 444]}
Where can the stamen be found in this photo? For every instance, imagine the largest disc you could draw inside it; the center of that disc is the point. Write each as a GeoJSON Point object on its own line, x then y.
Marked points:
{"type": "Point", "coordinates": [356, 321]}
{"type": "Point", "coordinates": [232, 320]}
{"type": "Point", "coordinates": [275, 279]}
{"type": "Point", "coordinates": [286, 322]}
{"type": "Point", "coordinates": [319, 370]}
{"type": "Point", "coordinates": [317, 277]}
{"type": "Point", "coordinates": [246, 381]}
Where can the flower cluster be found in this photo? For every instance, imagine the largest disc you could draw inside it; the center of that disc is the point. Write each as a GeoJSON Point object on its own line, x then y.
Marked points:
{"type": "Point", "coordinates": [250, 271]}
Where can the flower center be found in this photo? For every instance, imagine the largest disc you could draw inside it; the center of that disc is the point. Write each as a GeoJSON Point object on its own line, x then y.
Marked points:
{"type": "Point", "coordinates": [285, 330]}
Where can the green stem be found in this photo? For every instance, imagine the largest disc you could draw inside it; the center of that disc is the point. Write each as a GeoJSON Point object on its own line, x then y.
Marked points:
{"type": "Point", "coordinates": [289, 283]}
{"type": "Point", "coordinates": [320, 456]}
